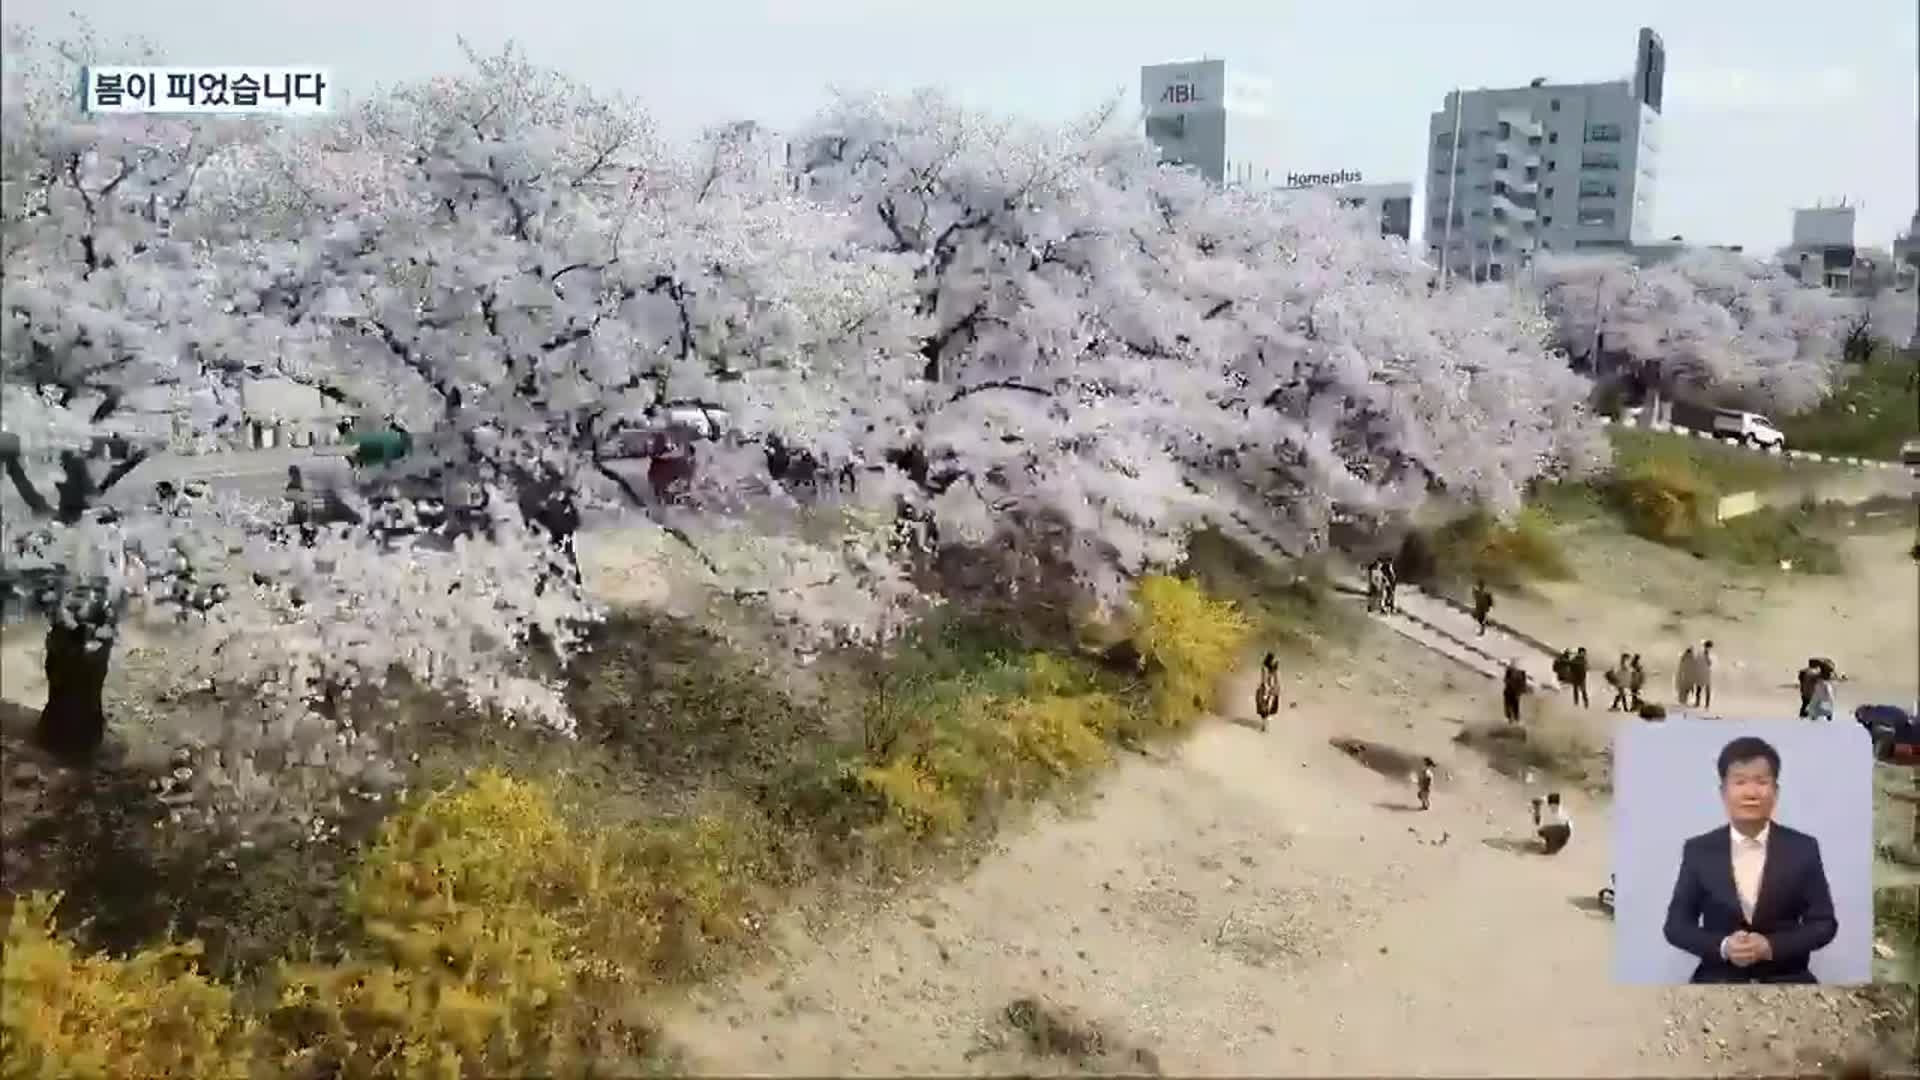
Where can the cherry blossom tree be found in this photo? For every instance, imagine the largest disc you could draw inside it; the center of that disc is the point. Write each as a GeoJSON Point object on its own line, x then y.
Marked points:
{"type": "Point", "coordinates": [109, 294]}
{"type": "Point", "coordinates": [1715, 325]}
{"type": "Point", "coordinates": [1120, 351]}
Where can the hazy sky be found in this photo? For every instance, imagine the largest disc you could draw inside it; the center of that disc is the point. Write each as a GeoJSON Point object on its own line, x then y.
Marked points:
{"type": "Point", "coordinates": [1771, 104]}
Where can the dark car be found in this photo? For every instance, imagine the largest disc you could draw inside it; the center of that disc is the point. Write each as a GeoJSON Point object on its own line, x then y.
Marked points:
{"type": "Point", "coordinates": [1895, 731]}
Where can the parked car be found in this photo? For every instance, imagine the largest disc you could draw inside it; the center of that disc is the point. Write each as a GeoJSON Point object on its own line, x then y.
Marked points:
{"type": "Point", "coordinates": [1895, 731]}
{"type": "Point", "coordinates": [1910, 453]}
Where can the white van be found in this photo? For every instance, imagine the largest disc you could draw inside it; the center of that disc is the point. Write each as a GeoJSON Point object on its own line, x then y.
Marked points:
{"type": "Point", "coordinates": [1751, 429]}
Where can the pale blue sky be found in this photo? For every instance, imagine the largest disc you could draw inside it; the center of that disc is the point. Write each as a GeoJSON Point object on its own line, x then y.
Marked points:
{"type": "Point", "coordinates": [1770, 103]}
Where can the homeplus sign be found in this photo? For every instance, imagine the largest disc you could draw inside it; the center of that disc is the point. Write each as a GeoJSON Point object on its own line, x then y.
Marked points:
{"type": "Point", "coordinates": [1326, 179]}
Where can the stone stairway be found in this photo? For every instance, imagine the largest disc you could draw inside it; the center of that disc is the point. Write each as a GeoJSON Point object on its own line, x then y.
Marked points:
{"type": "Point", "coordinates": [1436, 623]}
{"type": "Point", "coordinates": [1446, 628]}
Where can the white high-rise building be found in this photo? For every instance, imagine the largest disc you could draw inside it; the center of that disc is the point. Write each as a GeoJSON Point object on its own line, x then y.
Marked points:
{"type": "Point", "coordinates": [1544, 167]}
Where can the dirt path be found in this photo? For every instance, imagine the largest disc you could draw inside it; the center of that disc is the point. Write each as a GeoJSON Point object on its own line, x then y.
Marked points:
{"type": "Point", "coordinates": [1258, 904]}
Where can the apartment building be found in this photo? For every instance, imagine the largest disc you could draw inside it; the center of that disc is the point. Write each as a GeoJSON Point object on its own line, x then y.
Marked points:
{"type": "Point", "coordinates": [1544, 167]}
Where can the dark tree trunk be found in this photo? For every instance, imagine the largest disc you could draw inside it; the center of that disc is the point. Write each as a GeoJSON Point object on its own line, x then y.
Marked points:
{"type": "Point", "coordinates": [74, 723]}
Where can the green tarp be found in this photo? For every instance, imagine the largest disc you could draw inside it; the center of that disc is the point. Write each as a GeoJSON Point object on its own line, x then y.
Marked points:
{"type": "Point", "coordinates": [380, 447]}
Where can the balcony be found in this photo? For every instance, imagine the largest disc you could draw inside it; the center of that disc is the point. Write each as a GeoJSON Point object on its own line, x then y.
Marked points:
{"type": "Point", "coordinates": [1516, 180]}
{"type": "Point", "coordinates": [1519, 125]}
{"type": "Point", "coordinates": [1513, 211]}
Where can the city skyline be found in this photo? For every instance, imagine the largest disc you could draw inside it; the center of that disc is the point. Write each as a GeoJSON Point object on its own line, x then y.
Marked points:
{"type": "Point", "coordinates": [1766, 110]}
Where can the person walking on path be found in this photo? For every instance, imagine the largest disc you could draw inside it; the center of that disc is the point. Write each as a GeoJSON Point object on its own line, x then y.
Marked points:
{"type": "Point", "coordinates": [1636, 682]}
{"type": "Point", "coordinates": [1266, 697]}
{"type": "Point", "coordinates": [1618, 677]}
{"type": "Point", "coordinates": [1820, 707]}
{"type": "Point", "coordinates": [1513, 685]}
{"type": "Point", "coordinates": [1425, 789]}
{"type": "Point", "coordinates": [1686, 676]}
{"type": "Point", "coordinates": [1389, 584]}
{"type": "Point", "coordinates": [1482, 605]}
{"type": "Point", "coordinates": [1703, 676]}
{"type": "Point", "coordinates": [1809, 676]}
{"type": "Point", "coordinates": [1376, 588]}
{"type": "Point", "coordinates": [1556, 826]}
{"type": "Point", "coordinates": [1579, 669]}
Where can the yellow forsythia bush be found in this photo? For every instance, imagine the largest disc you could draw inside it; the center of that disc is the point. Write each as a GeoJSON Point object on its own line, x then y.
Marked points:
{"type": "Point", "coordinates": [1187, 640]}
{"type": "Point", "coordinates": [153, 1014]}
{"type": "Point", "coordinates": [494, 924]}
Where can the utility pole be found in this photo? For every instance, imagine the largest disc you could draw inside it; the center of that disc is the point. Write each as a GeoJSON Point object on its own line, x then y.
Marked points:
{"type": "Point", "coordinates": [1453, 174]}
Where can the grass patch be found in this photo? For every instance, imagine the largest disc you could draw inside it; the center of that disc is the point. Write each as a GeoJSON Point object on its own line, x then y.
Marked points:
{"type": "Point", "coordinates": [1291, 609]}
{"type": "Point", "coordinates": [1668, 489]}
{"type": "Point", "coordinates": [1480, 547]}
{"type": "Point", "coordinates": [1714, 465]}
{"type": "Point", "coordinates": [1870, 414]}
{"type": "Point", "coordinates": [1896, 921]}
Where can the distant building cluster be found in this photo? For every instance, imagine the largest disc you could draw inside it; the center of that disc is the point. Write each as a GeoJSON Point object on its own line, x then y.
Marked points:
{"type": "Point", "coordinates": [1512, 173]}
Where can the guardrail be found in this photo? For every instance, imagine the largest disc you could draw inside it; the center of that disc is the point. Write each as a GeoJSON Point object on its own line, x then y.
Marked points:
{"type": "Point", "coordinates": [1771, 451]}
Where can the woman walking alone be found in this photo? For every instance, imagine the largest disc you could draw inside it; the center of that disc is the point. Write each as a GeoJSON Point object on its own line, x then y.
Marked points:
{"type": "Point", "coordinates": [1266, 697]}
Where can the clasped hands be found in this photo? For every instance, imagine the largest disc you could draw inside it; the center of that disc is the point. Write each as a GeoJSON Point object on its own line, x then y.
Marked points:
{"type": "Point", "coordinates": [1744, 948]}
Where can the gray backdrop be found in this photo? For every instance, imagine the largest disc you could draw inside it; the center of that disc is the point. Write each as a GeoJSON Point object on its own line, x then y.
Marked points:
{"type": "Point", "coordinates": [1666, 789]}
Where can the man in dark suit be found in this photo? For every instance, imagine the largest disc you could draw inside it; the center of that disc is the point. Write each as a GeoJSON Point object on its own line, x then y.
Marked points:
{"type": "Point", "coordinates": [1751, 899]}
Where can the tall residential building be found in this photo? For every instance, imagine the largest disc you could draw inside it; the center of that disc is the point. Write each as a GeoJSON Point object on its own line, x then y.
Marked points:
{"type": "Point", "coordinates": [1544, 167]}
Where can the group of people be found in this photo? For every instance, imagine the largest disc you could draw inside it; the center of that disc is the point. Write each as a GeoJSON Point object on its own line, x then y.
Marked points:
{"type": "Point", "coordinates": [1693, 678]}
{"type": "Point", "coordinates": [1382, 580]}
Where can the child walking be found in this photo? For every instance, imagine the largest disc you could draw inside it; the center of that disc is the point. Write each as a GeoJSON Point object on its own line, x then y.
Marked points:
{"type": "Point", "coordinates": [1426, 783]}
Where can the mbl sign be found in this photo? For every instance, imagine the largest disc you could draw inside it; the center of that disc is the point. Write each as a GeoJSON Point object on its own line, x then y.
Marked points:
{"type": "Point", "coordinates": [1181, 94]}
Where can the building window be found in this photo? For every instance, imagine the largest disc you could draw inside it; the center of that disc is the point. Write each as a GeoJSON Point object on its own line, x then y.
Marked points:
{"type": "Point", "coordinates": [1500, 161]}
{"type": "Point", "coordinates": [1599, 159]}
{"type": "Point", "coordinates": [1603, 132]}
{"type": "Point", "coordinates": [1546, 219]}
{"type": "Point", "coordinates": [1546, 245]}
{"type": "Point", "coordinates": [1494, 272]}
{"type": "Point", "coordinates": [1444, 138]}
{"type": "Point", "coordinates": [1533, 172]}
{"type": "Point", "coordinates": [1506, 130]}
{"type": "Point", "coordinates": [1597, 189]}
{"type": "Point", "coordinates": [1553, 137]}
{"type": "Point", "coordinates": [1167, 127]}
{"type": "Point", "coordinates": [1556, 104]}
{"type": "Point", "coordinates": [1602, 216]}
{"type": "Point", "coordinates": [1499, 187]}
{"type": "Point", "coordinates": [1549, 193]}
{"type": "Point", "coordinates": [1552, 165]}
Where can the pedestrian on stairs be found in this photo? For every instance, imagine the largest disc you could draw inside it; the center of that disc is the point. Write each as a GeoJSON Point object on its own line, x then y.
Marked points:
{"type": "Point", "coordinates": [1482, 605]}
{"type": "Point", "coordinates": [1389, 582]}
{"type": "Point", "coordinates": [1266, 697]}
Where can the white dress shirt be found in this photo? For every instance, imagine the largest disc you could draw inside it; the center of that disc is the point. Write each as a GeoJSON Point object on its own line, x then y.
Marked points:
{"type": "Point", "coordinates": [1749, 863]}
